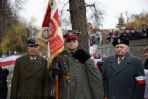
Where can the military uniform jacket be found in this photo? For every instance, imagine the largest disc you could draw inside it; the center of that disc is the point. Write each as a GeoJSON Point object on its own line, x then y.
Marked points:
{"type": "Point", "coordinates": [124, 80]}
{"type": "Point", "coordinates": [85, 81]}
{"type": "Point", "coordinates": [28, 78]}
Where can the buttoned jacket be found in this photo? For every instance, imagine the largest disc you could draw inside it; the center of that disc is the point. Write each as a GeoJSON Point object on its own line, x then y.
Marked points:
{"type": "Point", "coordinates": [85, 81]}
{"type": "Point", "coordinates": [28, 78]}
{"type": "Point", "coordinates": [120, 79]}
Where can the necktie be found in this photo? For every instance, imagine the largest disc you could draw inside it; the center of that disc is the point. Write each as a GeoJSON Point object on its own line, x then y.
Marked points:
{"type": "Point", "coordinates": [119, 60]}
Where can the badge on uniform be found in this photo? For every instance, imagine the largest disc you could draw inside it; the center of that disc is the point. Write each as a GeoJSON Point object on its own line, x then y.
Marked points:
{"type": "Point", "coordinates": [119, 41]}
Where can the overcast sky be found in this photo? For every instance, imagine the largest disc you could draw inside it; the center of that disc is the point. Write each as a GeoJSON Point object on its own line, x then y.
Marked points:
{"type": "Point", "coordinates": [111, 9]}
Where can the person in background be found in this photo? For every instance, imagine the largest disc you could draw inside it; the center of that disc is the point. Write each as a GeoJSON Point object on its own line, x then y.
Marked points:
{"type": "Point", "coordinates": [125, 35]}
{"type": "Point", "coordinates": [123, 73]}
{"type": "Point", "coordinates": [3, 83]}
{"type": "Point", "coordinates": [146, 70]}
{"type": "Point", "coordinates": [146, 57]}
{"type": "Point", "coordinates": [29, 74]}
{"type": "Point", "coordinates": [144, 31]}
{"type": "Point", "coordinates": [78, 76]}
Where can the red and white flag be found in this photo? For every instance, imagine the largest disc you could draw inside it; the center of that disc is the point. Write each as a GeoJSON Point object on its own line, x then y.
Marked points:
{"type": "Point", "coordinates": [51, 31]}
{"type": "Point", "coordinates": [8, 61]}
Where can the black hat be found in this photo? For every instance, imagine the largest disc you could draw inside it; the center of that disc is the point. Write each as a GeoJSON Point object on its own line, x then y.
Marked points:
{"type": "Point", "coordinates": [31, 41]}
{"type": "Point", "coordinates": [120, 41]}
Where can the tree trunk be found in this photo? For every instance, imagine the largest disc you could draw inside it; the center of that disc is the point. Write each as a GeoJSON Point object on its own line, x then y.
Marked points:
{"type": "Point", "coordinates": [78, 20]}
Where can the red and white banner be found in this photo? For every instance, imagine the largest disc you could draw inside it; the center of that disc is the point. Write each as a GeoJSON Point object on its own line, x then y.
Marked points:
{"type": "Point", "coordinates": [7, 61]}
{"type": "Point", "coordinates": [51, 34]}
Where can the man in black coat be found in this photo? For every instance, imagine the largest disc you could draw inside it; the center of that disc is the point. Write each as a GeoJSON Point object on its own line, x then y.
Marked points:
{"type": "Point", "coordinates": [123, 74]}
{"type": "Point", "coordinates": [3, 83]}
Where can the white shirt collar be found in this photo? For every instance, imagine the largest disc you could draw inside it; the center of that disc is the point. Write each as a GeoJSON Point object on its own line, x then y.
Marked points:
{"type": "Point", "coordinates": [33, 58]}
{"type": "Point", "coordinates": [120, 58]}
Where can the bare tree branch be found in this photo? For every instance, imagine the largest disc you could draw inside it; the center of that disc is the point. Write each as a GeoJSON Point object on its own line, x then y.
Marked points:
{"type": "Point", "coordinates": [63, 9]}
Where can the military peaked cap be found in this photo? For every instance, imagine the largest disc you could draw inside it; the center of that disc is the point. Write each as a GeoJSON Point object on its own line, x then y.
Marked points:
{"type": "Point", "coordinates": [120, 41]}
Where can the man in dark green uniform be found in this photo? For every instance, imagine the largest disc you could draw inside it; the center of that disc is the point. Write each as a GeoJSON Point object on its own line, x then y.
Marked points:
{"type": "Point", "coordinates": [29, 74]}
{"type": "Point", "coordinates": [78, 78]}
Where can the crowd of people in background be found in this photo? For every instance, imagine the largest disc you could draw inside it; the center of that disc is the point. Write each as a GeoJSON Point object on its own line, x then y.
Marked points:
{"type": "Point", "coordinates": [126, 33]}
{"type": "Point", "coordinates": [129, 33]}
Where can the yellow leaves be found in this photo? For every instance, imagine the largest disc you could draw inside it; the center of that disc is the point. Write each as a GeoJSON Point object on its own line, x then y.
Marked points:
{"type": "Point", "coordinates": [138, 20]}
{"type": "Point", "coordinates": [5, 42]}
{"type": "Point", "coordinates": [14, 38]}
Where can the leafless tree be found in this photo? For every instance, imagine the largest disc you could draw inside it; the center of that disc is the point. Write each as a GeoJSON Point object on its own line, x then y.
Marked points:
{"type": "Point", "coordinates": [78, 19]}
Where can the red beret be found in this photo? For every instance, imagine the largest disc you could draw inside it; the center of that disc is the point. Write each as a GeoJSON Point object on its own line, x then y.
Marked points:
{"type": "Point", "coordinates": [70, 36]}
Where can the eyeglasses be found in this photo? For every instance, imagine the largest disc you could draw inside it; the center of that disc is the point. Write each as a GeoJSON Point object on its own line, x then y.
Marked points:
{"type": "Point", "coordinates": [73, 41]}
{"type": "Point", "coordinates": [33, 45]}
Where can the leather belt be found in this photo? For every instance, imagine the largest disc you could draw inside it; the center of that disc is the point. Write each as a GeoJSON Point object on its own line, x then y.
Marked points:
{"type": "Point", "coordinates": [66, 77]}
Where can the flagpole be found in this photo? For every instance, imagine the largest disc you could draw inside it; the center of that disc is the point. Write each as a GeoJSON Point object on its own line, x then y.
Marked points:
{"type": "Point", "coordinates": [51, 23]}
{"type": "Point", "coordinates": [57, 87]}
{"type": "Point", "coordinates": [56, 80]}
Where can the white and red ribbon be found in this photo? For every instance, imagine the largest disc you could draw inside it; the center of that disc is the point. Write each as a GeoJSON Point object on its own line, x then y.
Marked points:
{"type": "Point", "coordinates": [140, 80]}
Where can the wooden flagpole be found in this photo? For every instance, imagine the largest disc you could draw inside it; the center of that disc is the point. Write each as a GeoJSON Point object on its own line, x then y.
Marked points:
{"type": "Point", "coordinates": [56, 80]}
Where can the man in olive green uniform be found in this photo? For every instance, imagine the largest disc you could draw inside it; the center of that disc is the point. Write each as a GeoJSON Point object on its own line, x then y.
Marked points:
{"type": "Point", "coordinates": [29, 74]}
{"type": "Point", "coordinates": [78, 77]}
